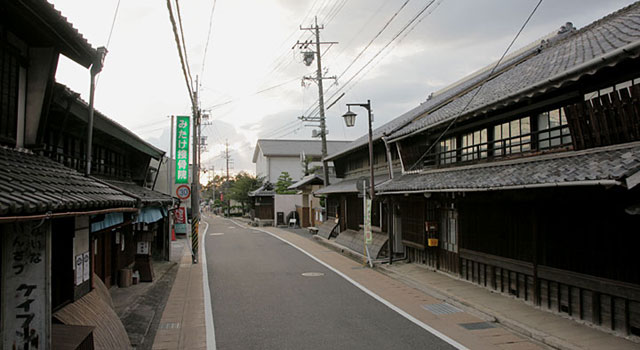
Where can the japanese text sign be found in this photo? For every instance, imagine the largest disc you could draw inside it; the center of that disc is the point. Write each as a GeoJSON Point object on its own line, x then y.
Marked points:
{"type": "Point", "coordinates": [182, 150]}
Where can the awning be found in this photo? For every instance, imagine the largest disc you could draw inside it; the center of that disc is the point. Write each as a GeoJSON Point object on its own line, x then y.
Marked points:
{"type": "Point", "coordinates": [148, 215]}
{"type": "Point", "coordinates": [604, 166]}
{"type": "Point", "coordinates": [110, 220]}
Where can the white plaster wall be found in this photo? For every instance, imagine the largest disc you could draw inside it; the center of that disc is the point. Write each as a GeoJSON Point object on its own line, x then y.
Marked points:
{"type": "Point", "coordinates": [292, 165]}
{"type": "Point", "coordinates": [286, 203]}
{"type": "Point", "coordinates": [262, 166]}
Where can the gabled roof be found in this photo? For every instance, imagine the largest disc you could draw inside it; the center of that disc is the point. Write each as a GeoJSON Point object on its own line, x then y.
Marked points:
{"type": "Point", "coordinates": [42, 25]}
{"type": "Point", "coordinates": [611, 165]}
{"type": "Point", "coordinates": [103, 123]}
{"type": "Point", "coordinates": [32, 184]}
{"type": "Point", "coordinates": [294, 148]}
{"type": "Point", "coordinates": [312, 179]}
{"type": "Point", "coordinates": [554, 64]}
{"type": "Point", "coordinates": [266, 190]}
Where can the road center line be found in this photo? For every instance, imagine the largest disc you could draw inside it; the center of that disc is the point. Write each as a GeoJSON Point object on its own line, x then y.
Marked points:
{"type": "Point", "coordinates": [366, 290]}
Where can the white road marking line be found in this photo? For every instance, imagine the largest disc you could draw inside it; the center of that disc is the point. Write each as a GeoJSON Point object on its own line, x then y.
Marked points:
{"type": "Point", "coordinates": [208, 314]}
{"type": "Point", "coordinates": [216, 234]}
{"type": "Point", "coordinates": [372, 294]}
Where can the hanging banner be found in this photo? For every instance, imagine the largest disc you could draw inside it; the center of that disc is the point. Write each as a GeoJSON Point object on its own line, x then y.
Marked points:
{"type": "Point", "coordinates": [182, 150]}
{"type": "Point", "coordinates": [368, 238]}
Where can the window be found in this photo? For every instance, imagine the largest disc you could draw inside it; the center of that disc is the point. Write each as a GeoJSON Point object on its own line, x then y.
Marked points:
{"type": "Point", "coordinates": [512, 137]}
{"type": "Point", "coordinates": [447, 151]}
{"type": "Point", "coordinates": [474, 145]}
{"type": "Point", "coordinates": [553, 129]}
{"type": "Point", "coordinates": [9, 85]}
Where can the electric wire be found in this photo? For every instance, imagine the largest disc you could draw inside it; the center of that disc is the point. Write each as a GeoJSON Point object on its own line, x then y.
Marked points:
{"type": "Point", "coordinates": [206, 46]}
{"type": "Point", "coordinates": [182, 58]}
{"type": "Point", "coordinates": [184, 45]}
{"type": "Point", "coordinates": [113, 24]}
{"type": "Point", "coordinates": [489, 76]}
{"type": "Point", "coordinates": [315, 111]}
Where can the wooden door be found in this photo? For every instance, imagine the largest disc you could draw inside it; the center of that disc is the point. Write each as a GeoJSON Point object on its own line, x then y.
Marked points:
{"type": "Point", "coordinates": [448, 247]}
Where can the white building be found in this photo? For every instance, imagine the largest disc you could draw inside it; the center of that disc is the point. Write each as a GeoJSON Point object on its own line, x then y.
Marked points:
{"type": "Point", "coordinates": [272, 157]}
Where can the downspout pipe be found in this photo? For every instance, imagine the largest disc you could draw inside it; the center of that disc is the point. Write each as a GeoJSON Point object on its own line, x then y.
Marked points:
{"type": "Point", "coordinates": [389, 161]}
{"type": "Point", "coordinates": [96, 68]}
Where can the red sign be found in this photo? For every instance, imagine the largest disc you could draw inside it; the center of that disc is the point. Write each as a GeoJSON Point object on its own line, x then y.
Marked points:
{"type": "Point", "coordinates": [181, 215]}
{"type": "Point", "coordinates": [183, 191]}
{"type": "Point", "coordinates": [221, 197]}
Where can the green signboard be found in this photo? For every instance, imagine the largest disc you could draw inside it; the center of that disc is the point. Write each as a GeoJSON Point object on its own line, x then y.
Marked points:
{"type": "Point", "coordinates": [182, 150]}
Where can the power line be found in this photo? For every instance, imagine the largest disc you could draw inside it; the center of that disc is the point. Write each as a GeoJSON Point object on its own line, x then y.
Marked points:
{"type": "Point", "coordinates": [206, 46]}
{"type": "Point", "coordinates": [413, 20]}
{"type": "Point", "coordinates": [184, 45]}
{"type": "Point", "coordinates": [489, 76]}
{"type": "Point", "coordinates": [182, 58]}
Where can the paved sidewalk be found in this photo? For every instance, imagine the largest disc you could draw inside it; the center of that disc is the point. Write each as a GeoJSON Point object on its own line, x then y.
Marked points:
{"type": "Point", "coordinates": [551, 329]}
{"type": "Point", "coordinates": [182, 325]}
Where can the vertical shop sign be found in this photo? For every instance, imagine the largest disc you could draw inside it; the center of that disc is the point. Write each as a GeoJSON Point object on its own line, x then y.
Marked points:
{"type": "Point", "coordinates": [182, 150]}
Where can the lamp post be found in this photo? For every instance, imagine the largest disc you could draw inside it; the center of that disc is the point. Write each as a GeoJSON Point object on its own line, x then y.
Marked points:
{"type": "Point", "coordinates": [350, 120]}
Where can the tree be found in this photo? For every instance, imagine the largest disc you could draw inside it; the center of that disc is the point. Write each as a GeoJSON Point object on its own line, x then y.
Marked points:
{"type": "Point", "coordinates": [284, 181]}
{"type": "Point", "coordinates": [242, 185]}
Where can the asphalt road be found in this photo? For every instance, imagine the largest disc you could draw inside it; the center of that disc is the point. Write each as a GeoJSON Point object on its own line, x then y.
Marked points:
{"type": "Point", "coordinates": [262, 300]}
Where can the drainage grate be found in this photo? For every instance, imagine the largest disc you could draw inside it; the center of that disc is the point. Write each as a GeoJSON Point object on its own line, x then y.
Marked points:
{"type": "Point", "coordinates": [441, 309]}
{"type": "Point", "coordinates": [477, 325]}
{"type": "Point", "coordinates": [169, 325]}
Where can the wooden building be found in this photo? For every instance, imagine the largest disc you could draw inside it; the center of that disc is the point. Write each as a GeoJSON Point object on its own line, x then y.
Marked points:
{"type": "Point", "coordinates": [523, 177]}
{"type": "Point", "coordinates": [58, 225]}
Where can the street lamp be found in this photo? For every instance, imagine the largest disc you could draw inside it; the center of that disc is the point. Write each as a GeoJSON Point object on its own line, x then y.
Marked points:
{"type": "Point", "coordinates": [350, 120]}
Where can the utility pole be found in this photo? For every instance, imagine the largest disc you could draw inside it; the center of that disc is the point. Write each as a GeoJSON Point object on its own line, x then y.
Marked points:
{"type": "Point", "coordinates": [318, 79]}
{"type": "Point", "coordinates": [195, 179]}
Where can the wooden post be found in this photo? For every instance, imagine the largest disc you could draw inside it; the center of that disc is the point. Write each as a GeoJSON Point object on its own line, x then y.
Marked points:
{"type": "Point", "coordinates": [534, 243]}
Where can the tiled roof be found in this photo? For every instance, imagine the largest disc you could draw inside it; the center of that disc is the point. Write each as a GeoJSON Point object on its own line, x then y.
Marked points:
{"type": "Point", "coordinates": [265, 190]}
{"type": "Point", "coordinates": [46, 25]}
{"type": "Point", "coordinates": [309, 179]}
{"type": "Point", "coordinates": [32, 184]}
{"type": "Point", "coordinates": [605, 165]}
{"type": "Point", "coordinates": [348, 186]}
{"type": "Point", "coordinates": [104, 123]}
{"type": "Point", "coordinates": [437, 99]}
{"type": "Point", "coordinates": [148, 197]}
{"type": "Point", "coordinates": [295, 147]}
{"type": "Point", "coordinates": [558, 62]}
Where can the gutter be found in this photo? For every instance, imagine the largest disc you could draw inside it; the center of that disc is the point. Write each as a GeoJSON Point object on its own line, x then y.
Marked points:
{"type": "Point", "coordinates": [571, 74]}
{"type": "Point", "coordinates": [515, 187]}
{"type": "Point", "coordinates": [8, 219]}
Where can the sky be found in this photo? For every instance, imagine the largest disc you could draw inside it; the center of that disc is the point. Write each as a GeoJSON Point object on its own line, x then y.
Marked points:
{"type": "Point", "coordinates": [250, 79]}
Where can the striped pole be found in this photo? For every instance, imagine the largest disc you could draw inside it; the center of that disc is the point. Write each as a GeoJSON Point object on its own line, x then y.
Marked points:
{"type": "Point", "coordinates": [195, 223]}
